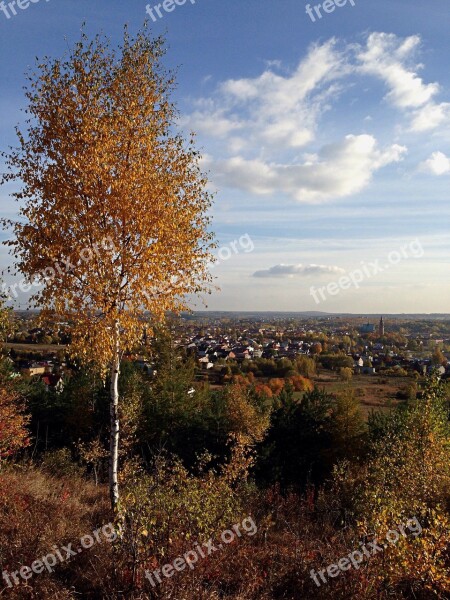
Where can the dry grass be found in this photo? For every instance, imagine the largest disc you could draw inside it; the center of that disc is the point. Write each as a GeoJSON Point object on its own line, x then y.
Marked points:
{"type": "Point", "coordinates": [374, 391]}
{"type": "Point", "coordinates": [38, 349]}
{"type": "Point", "coordinates": [37, 512]}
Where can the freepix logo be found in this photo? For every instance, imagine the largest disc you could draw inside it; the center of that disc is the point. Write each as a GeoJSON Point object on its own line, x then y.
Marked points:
{"type": "Point", "coordinates": [328, 7]}
{"type": "Point", "coordinates": [62, 554]}
{"type": "Point", "coordinates": [355, 558]}
{"type": "Point", "coordinates": [9, 9]}
{"type": "Point", "coordinates": [354, 278]}
{"type": "Point", "coordinates": [167, 6]}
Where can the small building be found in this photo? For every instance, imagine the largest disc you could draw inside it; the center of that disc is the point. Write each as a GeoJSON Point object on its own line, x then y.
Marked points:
{"type": "Point", "coordinates": [53, 383]}
{"type": "Point", "coordinates": [34, 370]}
{"type": "Point", "coordinates": [365, 370]}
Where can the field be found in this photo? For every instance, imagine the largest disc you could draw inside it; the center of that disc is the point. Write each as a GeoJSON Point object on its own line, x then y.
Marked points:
{"type": "Point", "coordinates": [376, 392]}
{"type": "Point", "coordinates": [38, 349]}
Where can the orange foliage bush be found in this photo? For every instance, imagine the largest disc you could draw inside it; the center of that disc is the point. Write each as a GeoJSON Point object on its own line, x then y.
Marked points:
{"type": "Point", "coordinates": [13, 423]}
{"type": "Point", "coordinates": [301, 384]}
{"type": "Point", "coordinates": [276, 385]}
{"type": "Point", "coordinates": [263, 390]}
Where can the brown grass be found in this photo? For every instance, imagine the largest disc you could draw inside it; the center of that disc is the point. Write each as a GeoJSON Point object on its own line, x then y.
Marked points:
{"type": "Point", "coordinates": [375, 392]}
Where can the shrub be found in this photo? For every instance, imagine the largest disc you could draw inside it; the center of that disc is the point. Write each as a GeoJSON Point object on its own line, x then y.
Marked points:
{"type": "Point", "coordinates": [301, 384]}
{"type": "Point", "coordinates": [13, 424]}
{"type": "Point", "coordinates": [60, 463]}
{"type": "Point", "coordinates": [163, 514]}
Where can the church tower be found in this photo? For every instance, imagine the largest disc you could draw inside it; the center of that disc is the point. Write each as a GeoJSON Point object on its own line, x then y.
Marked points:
{"type": "Point", "coordinates": [381, 327]}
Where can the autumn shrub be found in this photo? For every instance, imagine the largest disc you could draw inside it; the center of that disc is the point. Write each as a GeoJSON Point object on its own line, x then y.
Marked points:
{"type": "Point", "coordinates": [263, 390]}
{"type": "Point", "coordinates": [301, 384]}
{"type": "Point", "coordinates": [59, 463]}
{"type": "Point", "coordinates": [245, 413]}
{"type": "Point", "coordinates": [276, 385]}
{"type": "Point", "coordinates": [345, 373]}
{"type": "Point", "coordinates": [39, 512]}
{"type": "Point", "coordinates": [406, 476]}
{"type": "Point", "coordinates": [14, 434]}
{"type": "Point", "coordinates": [165, 512]}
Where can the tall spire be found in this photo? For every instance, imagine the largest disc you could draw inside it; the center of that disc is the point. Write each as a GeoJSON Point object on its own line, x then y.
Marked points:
{"type": "Point", "coordinates": [381, 327]}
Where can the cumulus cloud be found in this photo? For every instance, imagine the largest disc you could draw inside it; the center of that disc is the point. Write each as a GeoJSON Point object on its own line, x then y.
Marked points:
{"type": "Point", "coordinates": [339, 170]}
{"type": "Point", "coordinates": [437, 164]}
{"type": "Point", "coordinates": [290, 271]}
{"type": "Point", "coordinates": [388, 58]}
{"type": "Point", "coordinates": [430, 116]}
{"type": "Point", "coordinates": [272, 109]}
{"type": "Point", "coordinates": [267, 126]}
{"type": "Point", "coordinates": [384, 57]}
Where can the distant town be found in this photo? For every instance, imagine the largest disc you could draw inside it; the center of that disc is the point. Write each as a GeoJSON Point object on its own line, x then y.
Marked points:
{"type": "Point", "coordinates": [226, 345]}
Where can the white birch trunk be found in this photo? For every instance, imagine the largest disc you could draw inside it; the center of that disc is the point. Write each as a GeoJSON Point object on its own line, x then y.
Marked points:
{"type": "Point", "coordinates": [114, 420]}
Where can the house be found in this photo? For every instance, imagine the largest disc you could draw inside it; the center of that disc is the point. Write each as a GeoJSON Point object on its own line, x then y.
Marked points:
{"type": "Point", "coordinates": [33, 370]}
{"type": "Point", "coordinates": [54, 383]}
{"type": "Point", "coordinates": [241, 353]}
{"type": "Point", "coordinates": [365, 370]}
{"type": "Point", "coordinates": [205, 363]}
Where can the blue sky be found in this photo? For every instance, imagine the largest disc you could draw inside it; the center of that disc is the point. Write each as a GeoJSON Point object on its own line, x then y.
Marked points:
{"type": "Point", "coordinates": [328, 142]}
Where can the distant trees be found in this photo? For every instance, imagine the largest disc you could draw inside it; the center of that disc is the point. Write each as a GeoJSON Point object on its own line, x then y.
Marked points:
{"type": "Point", "coordinates": [301, 384]}
{"type": "Point", "coordinates": [305, 366]}
{"type": "Point", "coordinates": [282, 367]}
{"type": "Point", "coordinates": [438, 358]}
{"type": "Point", "coordinates": [276, 385]}
{"type": "Point", "coordinates": [316, 348]}
{"type": "Point", "coordinates": [335, 361]}
{"type": "Point", "coordinates": [285, 367]}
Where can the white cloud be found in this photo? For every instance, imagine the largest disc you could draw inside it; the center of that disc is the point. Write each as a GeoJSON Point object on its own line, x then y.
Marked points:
{"type": "Point", "coordinates": [387, 57]}
{"type": "Point", "coordinates": [339, 170]}
{"type": "Point", "coordinates": [384, 57]}
{"type": "Point", "coordinates": [211, 119]}
{"type": "Point", "coordinates": [262, 122]}
{"type": "Point", "coordinates": [291, 271]}
{"type": "Point", "coordinates": [437, 164]}
{"type": "Point", "coordinates": [273, 109]}
{"type": "Point", "coordinates": [430, 116]}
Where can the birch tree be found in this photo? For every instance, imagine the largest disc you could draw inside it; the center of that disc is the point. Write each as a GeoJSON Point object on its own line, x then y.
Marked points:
{"type": "Point", "coordinates": [113, 220]}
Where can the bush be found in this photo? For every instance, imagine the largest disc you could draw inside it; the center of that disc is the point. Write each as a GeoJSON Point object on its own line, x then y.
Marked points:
{"type": "Point", "coordinates": [165, 513]}
{"type": "Point", "coordinates": [346, 373]}
{"type": "Point", "coordinates": [301, 384]}
{"type": "Point", "coordinates": [13, 424]}
{"type": "Point", "coordinates": [60, 463]}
